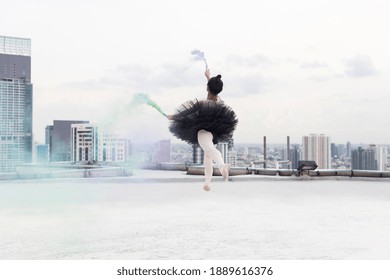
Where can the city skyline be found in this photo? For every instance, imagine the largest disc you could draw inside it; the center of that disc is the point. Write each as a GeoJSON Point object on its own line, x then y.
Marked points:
{"type": "Point", "coordinates": [288, 68]}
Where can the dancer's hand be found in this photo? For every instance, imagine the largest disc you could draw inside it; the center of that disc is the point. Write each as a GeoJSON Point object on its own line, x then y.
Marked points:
{"type": "Point", "coordinates": [170, 117]}
{"type": "Point", "coordinates": [207, 74]}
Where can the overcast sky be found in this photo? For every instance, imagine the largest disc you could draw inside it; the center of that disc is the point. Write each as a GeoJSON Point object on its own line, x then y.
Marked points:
{"type": "Point", "coordinates": [289, 67]}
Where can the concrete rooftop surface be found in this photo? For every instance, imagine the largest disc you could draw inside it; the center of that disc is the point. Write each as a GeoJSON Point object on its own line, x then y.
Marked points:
{"type": "Point", "coordinates": [167, 215]}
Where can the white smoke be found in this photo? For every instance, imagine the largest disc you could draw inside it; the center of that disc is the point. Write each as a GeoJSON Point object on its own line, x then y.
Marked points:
{"type": "Point", "coordinates": [199, 55]}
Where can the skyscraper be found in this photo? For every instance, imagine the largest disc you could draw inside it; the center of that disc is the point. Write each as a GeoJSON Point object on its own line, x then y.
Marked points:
{"type": "Point", "coordinates": [58, 137]}
{"type": "Point", "coordinates": [349, 149]}
{"type": "Point", "coordinates": [317, 147]}
{"type": "Point", "coordinates": [16, 95]}
{"type": "Point", "coordinates": [295, 155]}
{"type": "Point", "coordinates": [370, 158]}
{"type": "Point", "coordinates": [93, 143]}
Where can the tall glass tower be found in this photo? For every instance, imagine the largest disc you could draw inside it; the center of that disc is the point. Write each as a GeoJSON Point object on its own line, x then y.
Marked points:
{"type": "Point", "coordinates": [16, 95]}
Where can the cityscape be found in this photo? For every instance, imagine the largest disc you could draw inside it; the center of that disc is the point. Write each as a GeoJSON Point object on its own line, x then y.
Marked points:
{"type": "Point", "coordinates": [90, 171]}
{"type": "Point", "coordinates": [81, 141]}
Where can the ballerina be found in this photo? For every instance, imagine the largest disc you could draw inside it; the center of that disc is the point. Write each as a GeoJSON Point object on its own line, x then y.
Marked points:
{"type": "Point", "coordinates": [206, 123]}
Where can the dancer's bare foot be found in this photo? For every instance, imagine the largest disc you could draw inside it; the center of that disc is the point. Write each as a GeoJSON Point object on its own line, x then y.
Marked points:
{"type": "Point", "coordinates": [225, 172]}
{"type": "Point", "coordinates": [206, 188]}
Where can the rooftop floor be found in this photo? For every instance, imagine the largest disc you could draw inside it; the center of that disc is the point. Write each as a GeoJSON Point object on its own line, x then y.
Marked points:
{"type": "Point", "coordinates": [167, 215]}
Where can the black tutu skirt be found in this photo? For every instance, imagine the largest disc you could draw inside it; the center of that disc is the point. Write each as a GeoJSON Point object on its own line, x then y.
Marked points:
{"type": "Point", "coordinates": [194, 115]}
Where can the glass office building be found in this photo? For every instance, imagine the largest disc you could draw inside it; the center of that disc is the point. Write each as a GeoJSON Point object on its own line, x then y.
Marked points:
{"type": "Point", "coordinates": [16, 95]}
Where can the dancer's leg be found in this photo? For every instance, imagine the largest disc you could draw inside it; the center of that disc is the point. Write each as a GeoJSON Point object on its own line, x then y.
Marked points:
{"type": "Point", "coordinates": [205, 140]}
{"type": "Point", "coordinates": [208, 171]}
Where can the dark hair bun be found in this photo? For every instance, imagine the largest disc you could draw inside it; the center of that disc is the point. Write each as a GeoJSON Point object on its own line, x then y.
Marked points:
{"type": "Point", "coordinates": [215, 84]}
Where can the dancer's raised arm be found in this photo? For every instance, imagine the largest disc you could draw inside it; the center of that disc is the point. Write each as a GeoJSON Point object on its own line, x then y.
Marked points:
{"type": "Point", "coordinates": [207, 74]}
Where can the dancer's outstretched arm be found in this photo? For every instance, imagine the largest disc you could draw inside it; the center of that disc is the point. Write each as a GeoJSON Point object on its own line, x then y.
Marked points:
{"type": "Point", "coordinates": [207, 74]}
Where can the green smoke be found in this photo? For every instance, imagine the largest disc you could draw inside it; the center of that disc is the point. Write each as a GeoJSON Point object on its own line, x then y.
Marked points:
{"type": "Point", "coordinates": [142, 98]}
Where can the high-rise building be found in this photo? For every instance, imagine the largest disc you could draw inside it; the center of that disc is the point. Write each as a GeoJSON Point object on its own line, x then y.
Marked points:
{"type": "Point", "coordinates": [342, 150]}
{"type": "Point", "coordinates": [334, 150]}
{"type": "Point", "coordinates": [381, 158]}
{"type": "Point", "coordinates": [370, 158]}
{"type": "Point", "coordinates": [349, 149]}
{"type": "Point", "coordinates": [317, 147]}
{"type": "Point", "coordinates": [58, 137]}
{"type": "Point", "coordinates": [197, 154]}
{"type": "Point", "coordinates": [93, 143]}
{"type": "Point", "coordinates": [16, 96]}
{"type": "Point", "coordinates": [82, 138]}
{"type": "Point", "coordinates": [295, 155]}
{"type": "Point", "coordinates": [232, 158]}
